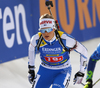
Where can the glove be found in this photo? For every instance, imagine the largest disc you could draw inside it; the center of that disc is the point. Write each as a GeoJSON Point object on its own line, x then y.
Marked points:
{"type": "Point", "coordinates": [31, 74]}
{"type": "Point", "coordinates": [78, 77]}
{"type": "Point", "coordinates": [88, 84]}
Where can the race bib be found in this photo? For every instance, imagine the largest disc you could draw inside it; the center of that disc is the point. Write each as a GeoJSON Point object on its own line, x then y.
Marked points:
{"type": "Point", "coordinates": [54, 59]}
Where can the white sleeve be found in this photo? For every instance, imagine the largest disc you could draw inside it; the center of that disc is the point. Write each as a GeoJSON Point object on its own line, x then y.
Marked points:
{"type": "Point", "coordinates": [31, 51]}
{"type": "Point", "coordinates": [31, 55]}
{"type": "Point", "coordinates": [83, 56]}
{"type": "Point", "coordinates": [71, 42]}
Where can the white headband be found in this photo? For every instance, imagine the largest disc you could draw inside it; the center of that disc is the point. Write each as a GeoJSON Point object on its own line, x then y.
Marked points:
{"type": "Point", "coordinates": [47, 22]}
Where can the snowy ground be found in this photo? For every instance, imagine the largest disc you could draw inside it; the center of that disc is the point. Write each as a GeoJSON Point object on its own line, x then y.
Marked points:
{"type": "Point", "coordinates": [13, 74]}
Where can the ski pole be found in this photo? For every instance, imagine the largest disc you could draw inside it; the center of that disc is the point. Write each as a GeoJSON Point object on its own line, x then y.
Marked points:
{"type": "Point", "coordinates": [48, 4]}
{"type": "Point", "coordinates": [83, 84]}
{"type": "Point", "coordinates": [96, 81]}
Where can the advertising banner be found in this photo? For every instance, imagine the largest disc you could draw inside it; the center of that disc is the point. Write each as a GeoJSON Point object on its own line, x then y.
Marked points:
{"type": "Point", "coordinates": [19, 21]}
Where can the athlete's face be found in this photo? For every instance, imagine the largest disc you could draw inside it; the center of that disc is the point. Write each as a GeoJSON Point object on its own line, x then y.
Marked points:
{"type": "Point", "coordinates": [47, 33]}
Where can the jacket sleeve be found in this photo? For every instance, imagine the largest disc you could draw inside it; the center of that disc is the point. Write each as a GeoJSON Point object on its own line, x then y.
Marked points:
{"type": "Point", "coordinates": [31, 55]}
{"type": "Point", "coordinates": [83, 56]}
{"type": "Point", "coordinates": [78, 47]}
{"type": "Point", "coordinates": [32, 50]}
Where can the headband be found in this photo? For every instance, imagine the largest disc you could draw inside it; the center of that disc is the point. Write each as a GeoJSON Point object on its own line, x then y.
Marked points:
{"type": "Point", "coordinates": [46, 22]}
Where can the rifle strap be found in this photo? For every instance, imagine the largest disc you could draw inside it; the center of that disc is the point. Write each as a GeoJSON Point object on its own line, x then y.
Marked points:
{"type": "Point", "coordinates": [39, 42]}
{"type": "Point", "coordinates": [59, 39]}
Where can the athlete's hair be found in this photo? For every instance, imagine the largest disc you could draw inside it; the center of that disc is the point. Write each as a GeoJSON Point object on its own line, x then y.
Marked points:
{"type": "Point", "coordinates": [46, 16]}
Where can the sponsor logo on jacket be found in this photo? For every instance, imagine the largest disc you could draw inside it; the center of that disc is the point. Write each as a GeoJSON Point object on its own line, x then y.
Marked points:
{"type": "Point", "coordinates": [51, 49]}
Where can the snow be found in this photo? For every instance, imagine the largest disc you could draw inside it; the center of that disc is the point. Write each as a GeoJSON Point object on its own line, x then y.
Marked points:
{"type": "Point", "coordinates": [13, 74]}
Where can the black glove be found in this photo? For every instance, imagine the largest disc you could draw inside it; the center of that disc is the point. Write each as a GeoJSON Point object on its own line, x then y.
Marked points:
{"type": "Point", "coordinates": [78, 77]}
{"type": "Point", "coordinates": [88, 84]}
{"type": "Point", "coordinates": [31, 74]}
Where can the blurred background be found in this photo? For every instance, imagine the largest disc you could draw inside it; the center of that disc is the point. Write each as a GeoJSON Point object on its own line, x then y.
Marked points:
{"type": "Point", "coordinates": [19, 21]}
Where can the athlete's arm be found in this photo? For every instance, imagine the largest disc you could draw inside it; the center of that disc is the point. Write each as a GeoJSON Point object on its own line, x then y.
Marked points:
{"type": "Point", "coordinates": [83, 56]}
{"type": "Point", "coordinates": [32, 51]}
{"type": "Point", "coordinates": [71, 43]}
{"type": "Point", "coordinates": [31, 60]}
